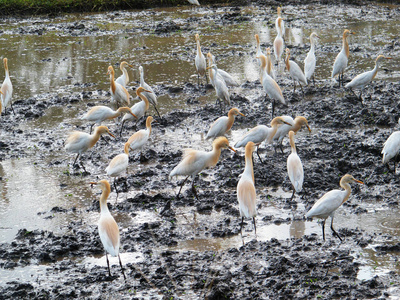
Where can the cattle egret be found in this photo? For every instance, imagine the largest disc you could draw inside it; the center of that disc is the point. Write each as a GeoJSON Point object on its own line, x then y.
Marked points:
{"type": "Point", "coordinates": [365, 78]}
{"type": "Point", "coordinates": [139, 109]}
{"type": "Point", "coordinates": [118, 92]}
{"type": "Point", "coordinates": [108, 228]}
{"type": "Point", "coordinates": [118, 165]}
{"type": "Point", "coordinates": [124, 78]}
{"type": "Point", "coordinates": [246, 191]}
{"type": "Point", "coordinates": [6, 89]}
{"type": "Point", "coordinates": [391, 148]}
{"type": "Point", "coordinates": [342, 58]}
{"type": "Point", "coordinates": [310, 61]}
{"type": "Point", "coordinates": [98, 114]}
{"type": "Point", "coordinates": [278, 42]}
{"type": "Point", "coordinates": [78, 142]}
{"type": "Point", "coordinates": [326, 206]}
{"type": "Point", "coordinates": [140, 138]}
{"type": "Point", "coordinates": [283, 130]}
{"type": "Point", "coordinates": [221, 90]}
{"type": "Point", "coordinates": [261, 133]}
{"type": "Point", "coordinates": [223, 124]}
{"type": "Point", "coordinates": [295, 71]}
{"type": "Point", "coordinates": [194, 161]}
{"type": "Point", "coordinates": [295, 167]}
{"type": "Point", "coordinates": [280, 26]}
{"type": "Point", "coordinates": [270, 86]}
{"type": "Point", "coordinates": [200, 61]}
{"type": "Point", "coordinates": [151, 96]}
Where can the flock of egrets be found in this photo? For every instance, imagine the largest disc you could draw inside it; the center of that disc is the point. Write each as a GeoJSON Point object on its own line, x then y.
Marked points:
{"type": "Point", "coordinates": [194, 161]}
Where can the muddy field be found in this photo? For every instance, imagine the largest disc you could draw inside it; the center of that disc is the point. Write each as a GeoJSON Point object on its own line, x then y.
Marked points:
{"type": "Point", "coordinates": [189, 249]}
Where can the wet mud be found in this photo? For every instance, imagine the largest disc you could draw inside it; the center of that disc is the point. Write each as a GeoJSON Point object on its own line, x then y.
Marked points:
{"type": "Point", "coordinates": [347, 137]}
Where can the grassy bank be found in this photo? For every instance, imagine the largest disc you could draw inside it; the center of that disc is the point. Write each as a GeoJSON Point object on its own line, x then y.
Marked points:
{"type": "Point", "coordinates": [32, 7]}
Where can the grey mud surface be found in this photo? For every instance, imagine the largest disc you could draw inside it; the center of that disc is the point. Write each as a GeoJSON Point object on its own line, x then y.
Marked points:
{"type": "Point", "coordinates": [304, 268]}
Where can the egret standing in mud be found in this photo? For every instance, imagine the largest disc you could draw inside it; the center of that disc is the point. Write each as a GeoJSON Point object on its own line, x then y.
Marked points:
{"type": "Point", "coordinates": [327, 205]}
{"type": "Point", "coordinates": [200, 61]}
{"type": "Point", "coordinates": [270, 86]}
{"type": "Point", "coordinates": [295, 167]}
{"type": "Point", "coordinates": [280, 25]}
{"type": "Point", "coordinates": [118, 92]}
{"type": "Point", "coordinates": [391, 148]}
{"type": "Point", "coordinates": [78, 142]}
{"type": "Point", "coordinates": [223, 124]}
{"type": "Point", "coordinates": [310, 61]}
{"type": "Point", "coordinates": [283, 130]}
{"type": "Point", "coordinates": [118, 165]}
{"type": "Point", "coordinates": [151, 96]}
{"type": "Point", "coordinates": [221, 89]}
{"type": "Point", "coordinates": [140, 138]}
{"type": "Point", "coordinates": [365, 78]}
{"type": "Point", "coordinates": [342, 58]}
{"type": "Point", "coordinates": [124, 78]}
{"type": "Point", "coordinates": [261, 133]}
{"type": "Point", "coordinates": [228, 78]}
{"type": "Point", "coordinates": [246, 191]}
{"type": "Point", "coordinates": [295, 71]}
{"type": "Point", "coordinates": [108, 228]}
{"type": "Point", "coordinates": [98, 114]}
{"type": "Point", "coordinates": [6, 89]}
{"type": "Point", "coordinates": [139, 109]}
{"type": "Point", "coordinates": [278, 42]}
{"type": "Point", "coordinates": [194, 161]}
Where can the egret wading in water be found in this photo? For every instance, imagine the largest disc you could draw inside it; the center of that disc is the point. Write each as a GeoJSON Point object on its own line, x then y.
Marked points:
{"type": "Point", "coordinates": [78, 142]}
{"type": "Point", "coordinates": [151, 96]}
{"type": "Point", "coordinates": [108, 228]}
{"type": "Point", "coordinates": [118, 92]}
{"type": "Point", "coordinates": [278, 42]}
{"type": "Point", "coordinates": [221, 90]}
{"type": "Point", "coordinates": [342, 58]}
{"type": "Point", "coordinates": [223, 124]}
{"type": "Point", "coordinates": [327, 205]}
{"type": "Point", "coordinates": [246, 191]}
{"type": "Point", "coordinates": [98, 114]}
{"type": "Point", "coordinates": [200, 61]}
{"type": "Point", "coordinates": [140, 138]}
{"type": "Point", "coordinates": [6, 89]}
{"type": "Point", "coordinates": [391, 149]}
{"type": "Point", "coordinates": [139, 109]}
{"type": "Point", "coordinates": [295, 72]}
{"type": "Point", "coordinates": [283, 130]}
{"type": "Point", "coordinates": [310, 61]}
{"type": "Point", "coordinates": [270, 86]}
{"type": "Point", "coordinates": [295, 167]}
{"type": "Point", "coordinates": [365, 78]}
{"type": "Point", "coordinates": [118, 165]}
{"type": "Point", "coordinates": [261, 133]}
{"type": "Point", "coordinates": [194, 161]}
{"type": "Point", "coordinates": [124, 78]}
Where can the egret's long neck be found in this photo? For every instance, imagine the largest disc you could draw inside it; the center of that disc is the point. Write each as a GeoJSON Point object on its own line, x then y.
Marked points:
{"type": "Point", "coordinates": [346, 46]}
{"type": "Point", "coordinates": [263, 60]}
{"type": "Point", "coordinates": [148, 125]}
{"type": "Point", "coordinates": [375, 70]}
{"type": "Point", "coordinates": [248, 169]}
{"type": "Point", "coordinates": [103, 200]}
{"type": "Point", "coordinates": [292, 144]}
{"type": "Point", "coordinates": [112, 82]}
{"type": "Point", "coordinates": [215, 154]}
{"type": "Point", "coordinates": [94, 138]}
{"type": "Point", "coordinates": [269, 63]}
{"type": "Point", "coordinates": [210, 71]}
{"type": "Point", "coordinates": [141, 78]}
{"type": "Point", "coordinates": [347, 188]}
{"type": "Point", "coordinates": [6, 69]}
{"type": "Point", "coordinates": [312, 49]}
{"type": "Point", "coordinates": [287, 62]}
{"type": "Point", "coordinates": [198, 48]}
{"type": "Point", "coordinates": [125, 72]}
{"type": "Point", "coordinates": [231, 119]}
{"type": "Point", "coordinates": [144, 98]}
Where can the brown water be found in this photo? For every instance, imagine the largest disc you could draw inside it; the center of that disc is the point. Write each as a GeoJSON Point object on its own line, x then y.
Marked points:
{"type": "Point", "coordinates": [56, 64]}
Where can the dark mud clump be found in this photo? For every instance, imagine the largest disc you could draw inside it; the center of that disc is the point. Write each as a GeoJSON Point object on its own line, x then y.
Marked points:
{"type": "Point", "coordinates": [348, 139]}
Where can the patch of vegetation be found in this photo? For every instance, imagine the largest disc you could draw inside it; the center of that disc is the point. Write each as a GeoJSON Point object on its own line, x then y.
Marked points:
{"type": "Point", "coordinates": [34, 7]}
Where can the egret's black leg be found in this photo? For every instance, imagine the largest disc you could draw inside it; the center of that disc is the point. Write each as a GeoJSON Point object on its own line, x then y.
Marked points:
{"type": "Point", "coordinates": [177, 196]}
{"type": "Point", "coordinates": [122, 269]}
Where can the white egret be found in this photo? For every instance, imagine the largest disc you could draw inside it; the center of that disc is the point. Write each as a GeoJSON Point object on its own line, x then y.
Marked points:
{"type": "Point", "coordinates": [118, 92]}
{"type": "Point", "coordinates": [295, 71]}
{"type": "Point", "coordinates": [342, 58]}
{"type": "Point", "coordinates": [310, 61]}
{"type": "Point", "coordinates": [124, 78]}
{"type": "Point", "coordinates": [284, 129]}
{"type": "Point", "coordinates": [6, 89]}
{"type": "Point", "coordinates": [278, 42]}
{"type": "Point", "coordinates": [118, 165]}
{"type": "Point", "coordinates": [223, 124]}
{"type": "Point", "coordinates": [200, 61]}
{"type": "Point", "coordinates": [295, 167]}
{"type": "Point", "coordinates": [151, 96]}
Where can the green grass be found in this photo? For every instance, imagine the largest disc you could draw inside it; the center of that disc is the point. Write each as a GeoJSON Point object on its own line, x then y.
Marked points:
{"type": "Point", "coordinates": [33, 7]}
